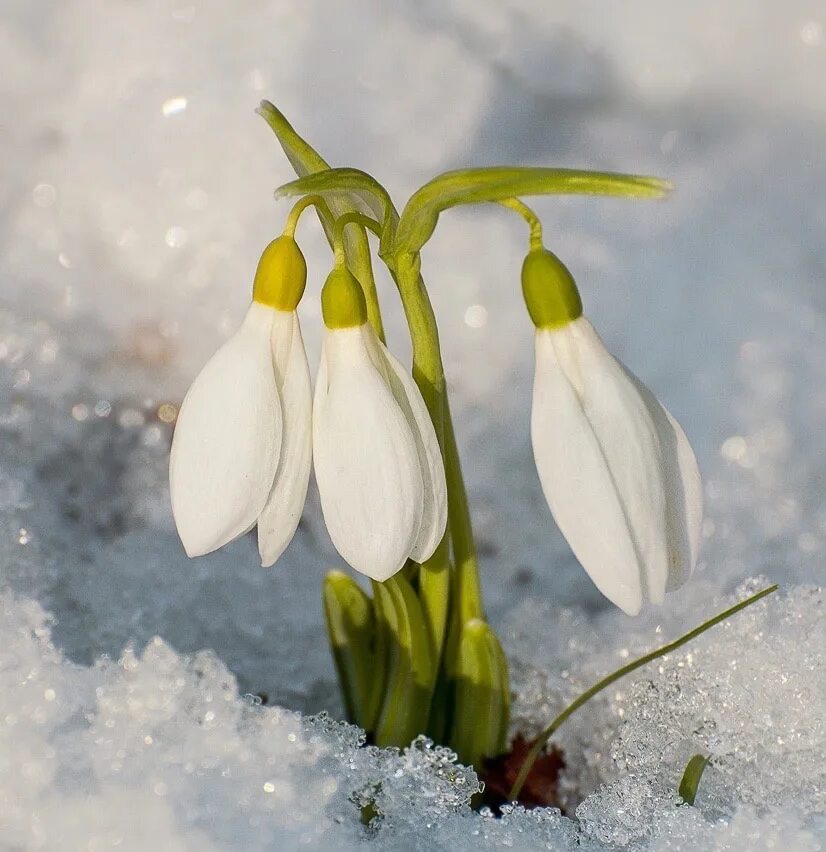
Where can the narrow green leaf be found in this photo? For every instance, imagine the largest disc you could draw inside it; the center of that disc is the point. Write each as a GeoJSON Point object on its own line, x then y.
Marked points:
{"type": "Point", "coordinates": [410, 663]}
{"type": "Point", "coordinates": [482, 702]}
{"type": "Point", "coordinates": [474, 186]}
{"type": "Point", "coordinates": [585, 697]}
{"type": "Point", "coordinates": [351, 628]}
{"type": "Point", "coordinates": [441, 709]}
{"type": "Point", "coordinates": [691, 778]}
{"type": "Point", "coordinates": [305, 160]}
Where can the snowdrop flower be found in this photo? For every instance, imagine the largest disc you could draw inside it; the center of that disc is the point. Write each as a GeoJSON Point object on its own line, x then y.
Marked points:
{"type": "Point", "coordinates": [377, 461]}
{"type": "Point", "coordinates": [241, 451]}
{"type": "Point", "coordinates": [617, 470]}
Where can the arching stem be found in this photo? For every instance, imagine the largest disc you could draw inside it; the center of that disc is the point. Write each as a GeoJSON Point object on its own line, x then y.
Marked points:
{"type": "Point", "coordinates": [530, 217]}
{"type": "Point", "coordinates": [299, 207]}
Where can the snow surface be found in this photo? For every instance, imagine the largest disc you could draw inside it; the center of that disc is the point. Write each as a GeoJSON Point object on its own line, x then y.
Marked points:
{"type": "Point", "coordinates": [136, 197]}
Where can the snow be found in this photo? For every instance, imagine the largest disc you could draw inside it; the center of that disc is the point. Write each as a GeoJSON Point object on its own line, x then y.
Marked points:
{"type": "Point", "coordinates": [159, 749]}
{"type": "Point", "coordinates": [136, 199]}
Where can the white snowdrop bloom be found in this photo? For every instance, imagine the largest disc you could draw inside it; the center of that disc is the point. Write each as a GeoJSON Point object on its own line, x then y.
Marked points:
{"type": "Point", "coordinates": [378, 466]}
{"type": "Point", "coordinates": [241, 452]}
{"type": "Point", "coordinates": [616, 469]}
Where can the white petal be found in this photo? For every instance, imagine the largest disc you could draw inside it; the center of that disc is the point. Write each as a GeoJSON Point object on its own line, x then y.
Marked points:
{"type": "Point", "coordinates": [409, 398]}
{"type": "Point", "coordinates": [578, 484]}
{"type": "Point", "coordinates": [227, 439]}
{"type": "Point", "coordinates": [685, 507]}
{"type": "Point", "coordinates": [365, 458]}
{"type": "Point", "coordinates": [279, 519]}
{"type": "Point", "coordinates": [684, 491]}
{"type": "Point", "coordinates": [630, 441]}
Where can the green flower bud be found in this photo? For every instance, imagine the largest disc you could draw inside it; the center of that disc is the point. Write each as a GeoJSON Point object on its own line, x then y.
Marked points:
{"type": "Point", "coordinates": [281, 275]}
{"type": "Point", "coordinates": [549, 290]}
{"type": "Point", "coordinates": [342, 300]}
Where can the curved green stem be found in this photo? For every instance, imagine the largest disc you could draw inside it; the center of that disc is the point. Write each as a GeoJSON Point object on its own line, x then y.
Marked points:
{"type": "Point", "coordinates": [362, 267]}
{"type": "Point", "coordinates": [529, 216]}
{"type": "Point", "coordinates": [353, 218]}
{"type": "Point", "coordinates": [300, 206]}
{"type": "Point", "coordinates": [542, 739]}
{"type": "Point", "coordinates": [340, 246]}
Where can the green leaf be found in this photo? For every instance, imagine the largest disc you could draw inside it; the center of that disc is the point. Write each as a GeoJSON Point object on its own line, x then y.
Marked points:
{"type": "Point", "coordinates": [351, 628]}
{"type": "Point", "coordinates": [410, 663]}
{"type": "Point", "coordinates": [474, 186]}
{"type": "Point", "coordinates": [482, 700]}
{"type": "Point", "coordinates": [305, 160]}
{"type": "Point", "coordinates": [691, 778]}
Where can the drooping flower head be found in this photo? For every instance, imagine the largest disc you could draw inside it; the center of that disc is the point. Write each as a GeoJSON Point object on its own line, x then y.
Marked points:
{"type": "Point", "coordinates": [616, 469]}
{"type": "Point", "coordinates": [241, 452]}
{"type": "Point", "coordinates": [377, 461]}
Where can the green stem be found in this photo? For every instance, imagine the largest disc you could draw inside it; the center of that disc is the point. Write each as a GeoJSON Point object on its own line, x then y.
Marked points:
{"type": "Point", "coordinates": [428, 370]}
{"type": "Point", "coordinates": [488, 698]}
{"type": "Point", "coordinates": [529, 216]}
{"type": "Point", "coordinates": [467, 588]}
{"type": "Point", "coordinates": [434, 592]}
{"type": "Point", "coordinates": [363, 274]}
{"type": "Point", "coordinates": [300, 206]}
{"type": "Point", "coordinates": [352, 218]}
{"type": "Point", "coordinates": [542, 739]}
{"type": "Point", "coordinates": [429, 374]}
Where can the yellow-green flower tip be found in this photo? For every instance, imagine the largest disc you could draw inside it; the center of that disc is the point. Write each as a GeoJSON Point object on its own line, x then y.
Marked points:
{"type": "Point", "coordinates": [281, 275]}
{"type": "Point", "coordinates": [342, 300]}
{"type": "Point", "coordinates": [550, 293]}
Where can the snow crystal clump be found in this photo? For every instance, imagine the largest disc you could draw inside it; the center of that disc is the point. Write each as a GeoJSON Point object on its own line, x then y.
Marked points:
{"type": "Point", "coordinates": [159, 750]}
{"type": "Point", "coordinates": [748, 695]}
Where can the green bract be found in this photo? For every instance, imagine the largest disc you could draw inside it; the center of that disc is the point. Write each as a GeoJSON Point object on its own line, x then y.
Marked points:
{"type": "Point", "coordinates": [281, 275]}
